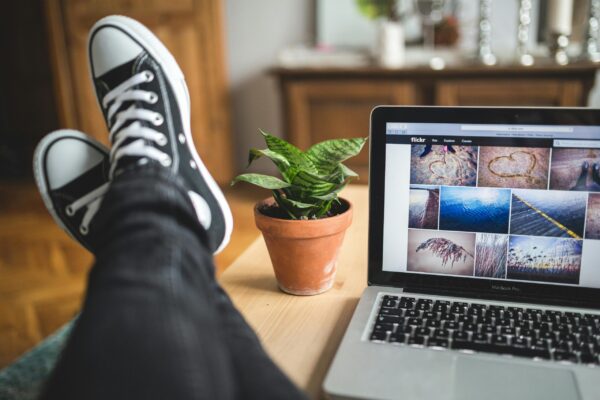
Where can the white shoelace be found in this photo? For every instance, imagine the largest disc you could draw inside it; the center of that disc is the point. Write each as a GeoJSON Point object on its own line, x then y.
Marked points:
{"type": "Point", "coordinates": [118, 136]}
{"type": "Point", "coordinates": [92, 201]}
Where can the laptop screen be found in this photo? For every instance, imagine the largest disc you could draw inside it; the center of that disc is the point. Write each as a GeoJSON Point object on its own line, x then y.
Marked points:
{"type": "Point", "coordinates": [503, 202]}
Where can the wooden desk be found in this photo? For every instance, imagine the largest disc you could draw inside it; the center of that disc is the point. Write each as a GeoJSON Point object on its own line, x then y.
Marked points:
{"type": "Point", "coordinates": [302, 333]}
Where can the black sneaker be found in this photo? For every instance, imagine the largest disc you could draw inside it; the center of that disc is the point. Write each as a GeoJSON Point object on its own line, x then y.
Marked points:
{"type": "Point", "coordinates": [143, 96]}
{"type": "Point", "coordinates": [71, 172]}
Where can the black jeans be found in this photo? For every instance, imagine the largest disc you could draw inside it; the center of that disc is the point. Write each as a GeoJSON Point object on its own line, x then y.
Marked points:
{"type": "Point", "coordinates": [155, 324]}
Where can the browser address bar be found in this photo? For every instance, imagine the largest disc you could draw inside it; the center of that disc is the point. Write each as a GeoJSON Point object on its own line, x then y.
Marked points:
{"type": "Point", "coordinates": [517, 128]}
{"type": "Point", "coordinates": [595, 144]}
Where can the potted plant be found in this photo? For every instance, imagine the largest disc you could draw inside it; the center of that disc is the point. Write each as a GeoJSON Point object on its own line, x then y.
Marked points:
{"type": "Point", "coordinates": [304, 222]}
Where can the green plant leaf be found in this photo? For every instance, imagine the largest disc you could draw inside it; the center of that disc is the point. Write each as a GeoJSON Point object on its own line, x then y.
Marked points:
{"type": "Point", "coordinates": [264, 181]}
{"type": "Point", "coordinates": [327, 155]}
{"type": "Point", "coordinates": [295, 209]}
{"type": "Point", "coordinates": [280, 161]}
{"type": "Point", "coordinates": [299, 204]}
{"type": "Point", "coordinates": [341, 174]}
{"type": "Point", "coordinates": [347, 172]}
{"type": "Point", "coordinates": [255, 154]}
{"type": "Point", "coordinates": [280, 202]}
{"type": "Point", "coordinates": [332, 195]}
{"type": "Point", "coordinates": [324, 209]}
{"type": "Point", "coordinates": [294, 155]}
{"type": "Point", "coordinates": [310, 185]}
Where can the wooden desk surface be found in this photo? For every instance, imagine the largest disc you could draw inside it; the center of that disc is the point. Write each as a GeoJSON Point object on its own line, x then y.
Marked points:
{"type": "Point", "coordinates": [302, 333]}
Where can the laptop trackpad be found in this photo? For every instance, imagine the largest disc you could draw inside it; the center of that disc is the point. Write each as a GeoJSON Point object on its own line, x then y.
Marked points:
{"type": "Point", "coordinates": [478, 379]}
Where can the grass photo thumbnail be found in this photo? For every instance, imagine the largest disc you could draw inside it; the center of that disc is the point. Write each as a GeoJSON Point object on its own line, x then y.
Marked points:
{"type": "Point", "coordinates": [441, 252]}
{"type": "Point", "coordinates": [554, 260]}
{"type": "Point", "coordinates": [490, 255]}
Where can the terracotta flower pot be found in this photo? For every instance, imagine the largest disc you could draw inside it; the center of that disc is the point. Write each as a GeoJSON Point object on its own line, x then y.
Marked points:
{"type": "Point", "coordinates": [303, 252]}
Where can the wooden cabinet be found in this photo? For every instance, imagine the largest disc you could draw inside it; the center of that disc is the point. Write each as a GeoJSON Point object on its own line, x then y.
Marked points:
{"type": "Point", "coordinates": [191, 30]}
{"type": "Point", "coordinates": [330, 103]}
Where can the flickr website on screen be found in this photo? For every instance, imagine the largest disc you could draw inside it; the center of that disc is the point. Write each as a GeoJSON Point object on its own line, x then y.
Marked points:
{"type": "Point", "coordinates": [508, 202]}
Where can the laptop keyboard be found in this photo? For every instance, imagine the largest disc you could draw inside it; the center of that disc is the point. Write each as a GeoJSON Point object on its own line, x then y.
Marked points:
{"type": "Point", "coordinates": [524, 332]}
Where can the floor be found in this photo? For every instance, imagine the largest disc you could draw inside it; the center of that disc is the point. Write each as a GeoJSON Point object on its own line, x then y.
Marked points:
{"type": "Point", "coordinates": [43, 271]}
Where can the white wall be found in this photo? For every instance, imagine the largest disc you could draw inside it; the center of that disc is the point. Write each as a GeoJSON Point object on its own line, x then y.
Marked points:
{"type": "Point", "coordinates": [255, 31]}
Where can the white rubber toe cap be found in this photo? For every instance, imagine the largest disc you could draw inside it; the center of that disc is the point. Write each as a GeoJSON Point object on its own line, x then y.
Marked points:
{"type": "Point", "coordinates": [67, 159]}
{"type": "Point", "coordinates": [111, 47]}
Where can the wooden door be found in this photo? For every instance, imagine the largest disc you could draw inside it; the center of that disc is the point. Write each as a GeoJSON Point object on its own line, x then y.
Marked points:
{"type": "Point", "coordinates": [190, 29]}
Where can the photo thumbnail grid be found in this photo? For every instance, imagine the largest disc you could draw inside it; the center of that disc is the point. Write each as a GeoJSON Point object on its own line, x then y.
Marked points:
{"type": "Point", "coordinates": [495, 218]}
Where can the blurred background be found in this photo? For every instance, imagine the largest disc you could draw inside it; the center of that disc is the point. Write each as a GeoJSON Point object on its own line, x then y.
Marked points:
{"type": "Point", "coordinates": [306, 70]}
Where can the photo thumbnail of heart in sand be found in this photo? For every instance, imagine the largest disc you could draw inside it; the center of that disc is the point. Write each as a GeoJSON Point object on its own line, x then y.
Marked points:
{"type": "Point", "coordinates": [544, 259]}
{"type": "Point", "coordinates": [443, 165]}
{"type": "Point", "coordinates": [513, 167]}
{"type": "Point", "coordinates": [424, 204]}
{"type": "Point", "coordinates": [441, 252]}
{"type": "Point", "coordinates": [592, 223]}
{"type": "Point", "coordinates": [575, 169]}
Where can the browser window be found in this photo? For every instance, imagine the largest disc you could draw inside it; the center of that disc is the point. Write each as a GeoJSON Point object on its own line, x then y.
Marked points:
{"type": "Point", "coordinates": [506, 202]}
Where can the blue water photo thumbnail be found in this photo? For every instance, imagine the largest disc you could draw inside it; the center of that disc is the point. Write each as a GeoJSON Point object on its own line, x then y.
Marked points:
{"type": "Point", "coordinates": [474, 209]}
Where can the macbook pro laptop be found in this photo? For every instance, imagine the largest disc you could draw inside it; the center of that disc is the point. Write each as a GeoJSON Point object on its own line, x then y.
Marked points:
{"type": "Point", "coordinates": [484, 258]}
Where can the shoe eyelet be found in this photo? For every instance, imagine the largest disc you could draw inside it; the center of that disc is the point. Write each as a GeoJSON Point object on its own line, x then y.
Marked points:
{"type": "Point", "coordinates": [158, 120]}
{"type": "Point", "coordinates": [192, 164]}
{"type": "Point", "coordinates": [69, 210]}
{"type": "Point", "coordinates": [166, 161]}
{"type": "Point", "coordinates": [83, 229]}
{"type": "Point", "coordinates": [152, 98]}
{"type": "Point", "coordinates": [149, 76]}
{"type": "Point", "coordinates": [162, 140]}
{"type": "Point", "coordinates": [181, 138]}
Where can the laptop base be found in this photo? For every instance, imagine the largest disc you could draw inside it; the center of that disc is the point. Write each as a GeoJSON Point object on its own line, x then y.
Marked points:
{"type": "Point", "coordinates": [363, 369]}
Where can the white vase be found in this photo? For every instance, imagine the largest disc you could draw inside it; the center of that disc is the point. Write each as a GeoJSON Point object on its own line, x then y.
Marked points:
{"type": "Point", "coordinates": [390, 44]}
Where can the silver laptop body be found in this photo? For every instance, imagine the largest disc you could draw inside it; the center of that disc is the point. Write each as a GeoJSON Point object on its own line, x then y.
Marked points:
{"type": "Point", "coordinates": [490, 208]}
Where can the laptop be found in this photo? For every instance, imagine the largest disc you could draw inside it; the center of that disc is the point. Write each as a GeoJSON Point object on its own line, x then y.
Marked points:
{"type": "Point", "coordinates": [483, 260]}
